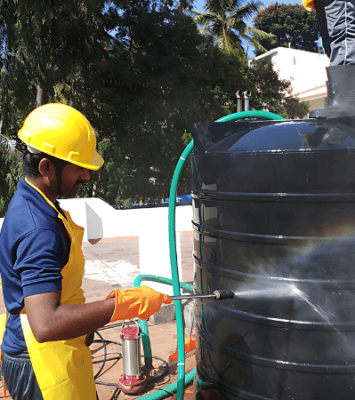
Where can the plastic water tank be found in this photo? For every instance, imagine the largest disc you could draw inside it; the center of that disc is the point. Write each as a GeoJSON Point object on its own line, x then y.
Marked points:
{"type": "Point", "coordinates": [274, 220]}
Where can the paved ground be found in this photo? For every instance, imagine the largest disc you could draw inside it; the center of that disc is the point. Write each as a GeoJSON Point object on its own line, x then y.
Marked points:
{"type": "Point", "coordinates": [116, 264]}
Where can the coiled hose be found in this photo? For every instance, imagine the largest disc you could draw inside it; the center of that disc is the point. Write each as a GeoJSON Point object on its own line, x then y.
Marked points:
{"type": "Point", "coordinates": [182, 380]}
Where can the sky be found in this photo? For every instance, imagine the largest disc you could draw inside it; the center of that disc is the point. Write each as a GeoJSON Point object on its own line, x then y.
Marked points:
{"type": "Point", "coordinates": [198, 6]}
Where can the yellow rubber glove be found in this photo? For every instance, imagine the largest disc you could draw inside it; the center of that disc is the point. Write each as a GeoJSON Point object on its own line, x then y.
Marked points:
{"type": "Point", "coordinates": [141, 302]}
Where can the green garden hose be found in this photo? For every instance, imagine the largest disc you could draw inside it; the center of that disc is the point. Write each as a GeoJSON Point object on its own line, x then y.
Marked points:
{"type": "Point", "coordinates": [142, 323]}
{"type": "Point", "coordinates": [179, 386]}
{"type": "Point", "coordinates": [250, 114]}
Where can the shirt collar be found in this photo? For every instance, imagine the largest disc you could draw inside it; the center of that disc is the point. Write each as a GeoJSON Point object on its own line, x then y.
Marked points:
{"type": "Point", "coordinates": [36, 197]}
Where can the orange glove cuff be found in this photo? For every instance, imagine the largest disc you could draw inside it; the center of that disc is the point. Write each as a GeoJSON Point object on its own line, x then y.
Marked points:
{"type": "Point", "coordinates": [141, 302]}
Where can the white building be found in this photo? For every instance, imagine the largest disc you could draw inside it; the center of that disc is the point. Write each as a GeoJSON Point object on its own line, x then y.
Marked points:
{"type": "Point", "coordinates": [306, 70]}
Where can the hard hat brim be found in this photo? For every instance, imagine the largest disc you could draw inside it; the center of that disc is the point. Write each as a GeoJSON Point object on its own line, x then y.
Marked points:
{"type": "Point", "coordinates": [62, 132]}
{"type": "Point", "coordinates": [95, 164]}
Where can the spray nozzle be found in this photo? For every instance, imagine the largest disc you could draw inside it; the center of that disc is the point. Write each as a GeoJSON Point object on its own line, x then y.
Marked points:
{"type": "Point", "coordinates": [223, 294]}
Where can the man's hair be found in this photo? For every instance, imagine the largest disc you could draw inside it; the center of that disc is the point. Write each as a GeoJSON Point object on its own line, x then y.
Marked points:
{"type": "Point", "coordinates": [31, 163]}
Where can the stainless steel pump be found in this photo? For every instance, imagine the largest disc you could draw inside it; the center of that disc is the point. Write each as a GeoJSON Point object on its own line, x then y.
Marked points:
{"type": "Point", "coordinates": [132, 380]}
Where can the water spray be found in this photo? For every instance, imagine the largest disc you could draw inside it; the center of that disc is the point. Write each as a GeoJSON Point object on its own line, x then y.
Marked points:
{"type": "Point", "coordinates": [277, 291]}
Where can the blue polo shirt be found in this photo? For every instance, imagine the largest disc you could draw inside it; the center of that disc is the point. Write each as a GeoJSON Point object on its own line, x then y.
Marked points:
{"type": "Point", "coordinates": [33, 252]}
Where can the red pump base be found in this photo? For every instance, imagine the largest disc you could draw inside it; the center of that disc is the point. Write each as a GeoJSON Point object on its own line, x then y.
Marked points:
{"type": "Point", "coordinates": [132, 384]}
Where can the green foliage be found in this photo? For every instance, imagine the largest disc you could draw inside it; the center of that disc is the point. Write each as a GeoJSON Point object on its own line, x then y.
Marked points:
{"type": "Point", "coordinates": [274, 94]}
{"type": "Point", "coordinates": [10, 174]}
{"type": "Point", "coordinates": [164, 82]}
{"type": "Point", "coordinates": [43, 43]}
{"type": "Point", "coordinates": [158, 91]}
{"type": "Point", "coordinates": [290, 24]}
{"type": "Point", "coordinates": [226, 20]}
{"type": "Point", "coordinates": [231, 75]}
{"type": "Point", "coordinates": [142, 88]}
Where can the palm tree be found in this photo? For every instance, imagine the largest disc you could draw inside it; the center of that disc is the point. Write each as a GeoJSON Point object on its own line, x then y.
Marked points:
{"type": "Point", "coordinates": [225, 21]}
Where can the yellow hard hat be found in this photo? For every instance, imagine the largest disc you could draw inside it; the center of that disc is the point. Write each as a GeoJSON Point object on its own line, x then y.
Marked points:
{"type": "Point", "coordinates": [63, 132]}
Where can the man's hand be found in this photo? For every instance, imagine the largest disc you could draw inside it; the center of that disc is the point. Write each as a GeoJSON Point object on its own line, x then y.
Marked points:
{"type": "Point", "coordinates": [141, 302]}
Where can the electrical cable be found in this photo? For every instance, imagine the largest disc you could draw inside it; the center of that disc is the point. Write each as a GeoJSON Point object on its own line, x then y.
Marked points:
{"type": "Point", "coordinates": [107, 341]}
{"type": "Point", "coordinates": [106, 383]}
{"type": "Point", "coordinates": [108, 359]}
{"type": "Point", "coordinates": [103, 341]}
{"type": "Point", "coordinates": [105, 355]}
{"type": "Point", "coordinates": [115, 394]}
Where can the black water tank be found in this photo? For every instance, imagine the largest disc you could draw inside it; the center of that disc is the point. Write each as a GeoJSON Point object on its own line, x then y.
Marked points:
{"type": "Point", "coordinates": [274, 220]}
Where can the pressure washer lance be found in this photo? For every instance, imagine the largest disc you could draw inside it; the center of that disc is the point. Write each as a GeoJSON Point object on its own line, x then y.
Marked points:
{"type": "Point", "coordinates": [217, 295]}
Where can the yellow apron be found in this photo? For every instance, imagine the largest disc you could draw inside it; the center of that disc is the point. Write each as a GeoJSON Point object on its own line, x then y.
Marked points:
{"type": "Point", "coordinates": [64, 368]}
{"type": "Point", "coordinates": [3, 319]}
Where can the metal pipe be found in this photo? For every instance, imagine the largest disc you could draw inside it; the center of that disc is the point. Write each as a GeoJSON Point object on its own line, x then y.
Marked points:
{"type": "Point", "coordinates": [239, 100]}
{"type": "Point", "coordinates": [217, 295]}
{"type": "Point", "coordinates": [246, 95]}
{"type": "Point", "coordinates": [193, 296]}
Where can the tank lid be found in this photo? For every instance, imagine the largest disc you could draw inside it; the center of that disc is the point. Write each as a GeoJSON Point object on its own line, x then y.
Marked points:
{"type": "Point", "coordinates": [273, 136]}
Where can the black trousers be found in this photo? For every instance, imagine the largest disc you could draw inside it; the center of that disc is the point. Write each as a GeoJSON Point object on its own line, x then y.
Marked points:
{"type": "Point", "coordinates": [19, 377]}
{"type": "Point", "coordinates": [337, 22]}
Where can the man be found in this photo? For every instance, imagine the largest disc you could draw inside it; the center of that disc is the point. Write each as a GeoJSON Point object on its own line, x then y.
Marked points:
{"type": "Point", "coordinates": [337, 21]}
{"type": "Point", "coordinates": [42, 266]}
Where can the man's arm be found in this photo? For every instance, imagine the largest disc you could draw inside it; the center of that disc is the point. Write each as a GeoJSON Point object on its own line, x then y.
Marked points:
{"type": "Point", "coordinates": [50, 321]}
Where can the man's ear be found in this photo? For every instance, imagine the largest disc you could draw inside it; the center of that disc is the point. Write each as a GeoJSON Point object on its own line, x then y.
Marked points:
{"type": "Point", "coordinates": [47, 169]}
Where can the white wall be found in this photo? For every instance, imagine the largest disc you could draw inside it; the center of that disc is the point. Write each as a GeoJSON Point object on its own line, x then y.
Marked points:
{"type": "Point", "coordinates": [154, 241]}
{"type": "Point", "coordinates": [305, 69]}
{"type": "Point", "coordinates": [101, 221]}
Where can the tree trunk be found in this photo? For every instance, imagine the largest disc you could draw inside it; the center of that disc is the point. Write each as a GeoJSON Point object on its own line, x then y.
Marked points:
{"type": "Point", "coordinates": [39, 96]}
